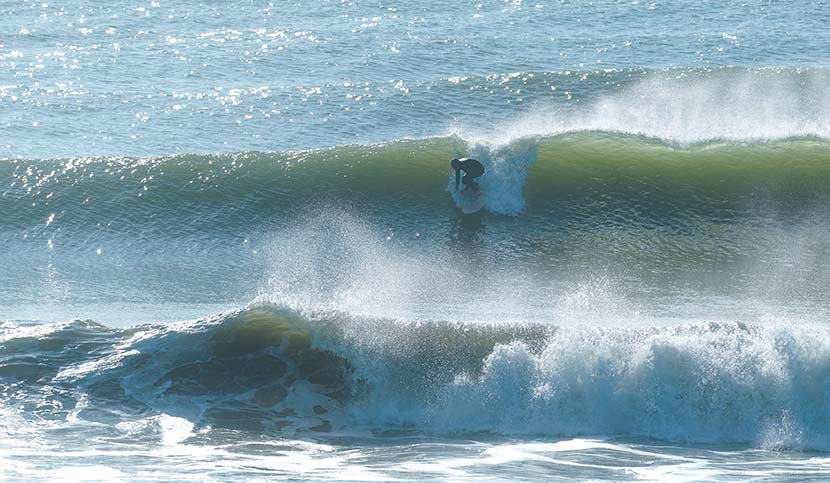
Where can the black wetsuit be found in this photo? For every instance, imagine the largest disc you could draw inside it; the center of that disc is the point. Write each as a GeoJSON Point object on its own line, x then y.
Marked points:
{"type": "Point", "coordinates": [472, 170]}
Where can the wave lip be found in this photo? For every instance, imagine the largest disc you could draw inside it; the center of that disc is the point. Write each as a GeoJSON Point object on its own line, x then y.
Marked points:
{"type": "Point", "coordinates": [677, 106]}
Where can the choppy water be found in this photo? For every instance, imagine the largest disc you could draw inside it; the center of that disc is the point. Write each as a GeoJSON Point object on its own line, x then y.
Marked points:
{"type": "Point", "coordinates": [230, 251]}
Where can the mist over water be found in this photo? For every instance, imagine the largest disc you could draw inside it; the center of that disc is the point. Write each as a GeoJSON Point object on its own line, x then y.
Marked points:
{"type": "Point", "coordinates": [231, 249]}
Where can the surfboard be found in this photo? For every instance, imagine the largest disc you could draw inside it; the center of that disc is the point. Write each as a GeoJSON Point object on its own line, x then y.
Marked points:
{"type": "Point", "coordinates": [471, 201]}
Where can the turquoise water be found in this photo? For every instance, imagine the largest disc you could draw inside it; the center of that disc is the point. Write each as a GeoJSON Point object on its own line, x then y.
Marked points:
{"type": "Point", "coordinates": [230, 249]}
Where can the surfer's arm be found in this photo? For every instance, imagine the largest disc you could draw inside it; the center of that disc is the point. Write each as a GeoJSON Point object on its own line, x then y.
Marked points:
{"type": "Point", "coordinates": [457, 178]}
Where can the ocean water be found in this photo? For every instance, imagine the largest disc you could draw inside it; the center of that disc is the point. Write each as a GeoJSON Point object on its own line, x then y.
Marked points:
{"type": "Point", "coordinates": [230, 248]}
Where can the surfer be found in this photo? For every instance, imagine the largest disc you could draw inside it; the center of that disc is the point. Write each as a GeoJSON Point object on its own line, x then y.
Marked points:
{"type": "Point", "coordinates": [472, 170]}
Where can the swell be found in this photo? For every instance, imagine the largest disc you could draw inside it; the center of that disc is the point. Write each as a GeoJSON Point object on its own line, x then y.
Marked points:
{"type": "Point", "coordinates": [575, 171]}
{"type": "Point", "coordinates": [374, 228]}
{"type": "Point", "coordinates": [267, 370]}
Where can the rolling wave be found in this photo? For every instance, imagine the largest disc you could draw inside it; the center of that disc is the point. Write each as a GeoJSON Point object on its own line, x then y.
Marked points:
{"type": "Point", "coordinates": [533, 173]}
{"type": "Point", "coordinates": [268, 370]}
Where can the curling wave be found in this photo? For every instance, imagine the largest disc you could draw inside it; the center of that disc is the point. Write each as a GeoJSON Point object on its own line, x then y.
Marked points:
{"type": "Point", "coordinates": [537, 173]}
{"type": "Point", "coordinates": [268, 370]}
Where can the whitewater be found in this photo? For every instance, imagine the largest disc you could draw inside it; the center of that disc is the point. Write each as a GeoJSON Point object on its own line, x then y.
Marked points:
{"type": "Point", "coordinates": [231, 249]}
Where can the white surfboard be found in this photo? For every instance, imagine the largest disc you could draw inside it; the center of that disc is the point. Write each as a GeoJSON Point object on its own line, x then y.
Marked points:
{"type": "Point", "coordinates": [471, 201]}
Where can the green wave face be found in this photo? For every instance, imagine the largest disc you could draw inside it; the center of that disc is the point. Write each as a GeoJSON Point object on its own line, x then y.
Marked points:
{"type": "Point", "coordinates": [714, 219]}
{"type": "Point", "coordinates": [538, 171]}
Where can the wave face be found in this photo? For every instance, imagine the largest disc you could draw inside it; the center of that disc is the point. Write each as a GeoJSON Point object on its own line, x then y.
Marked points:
{"type": "Point", "coordinates": [535, 173]}
{"type": "Point", "coordinates": [265, 370]}
{"type": "Point", "coordinates": [327, 229]}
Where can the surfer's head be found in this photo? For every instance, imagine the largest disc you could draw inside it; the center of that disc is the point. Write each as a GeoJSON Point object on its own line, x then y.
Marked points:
{"type": "Point", "coordinates": [456, 164]}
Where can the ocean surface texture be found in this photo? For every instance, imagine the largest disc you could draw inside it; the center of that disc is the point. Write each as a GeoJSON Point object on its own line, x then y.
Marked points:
{"type": "Point", "coordinates": [231, 250]}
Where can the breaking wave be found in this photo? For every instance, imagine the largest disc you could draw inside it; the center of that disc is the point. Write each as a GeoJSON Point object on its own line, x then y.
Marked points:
{"type": "Point", "coordinates": [269, 370]}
